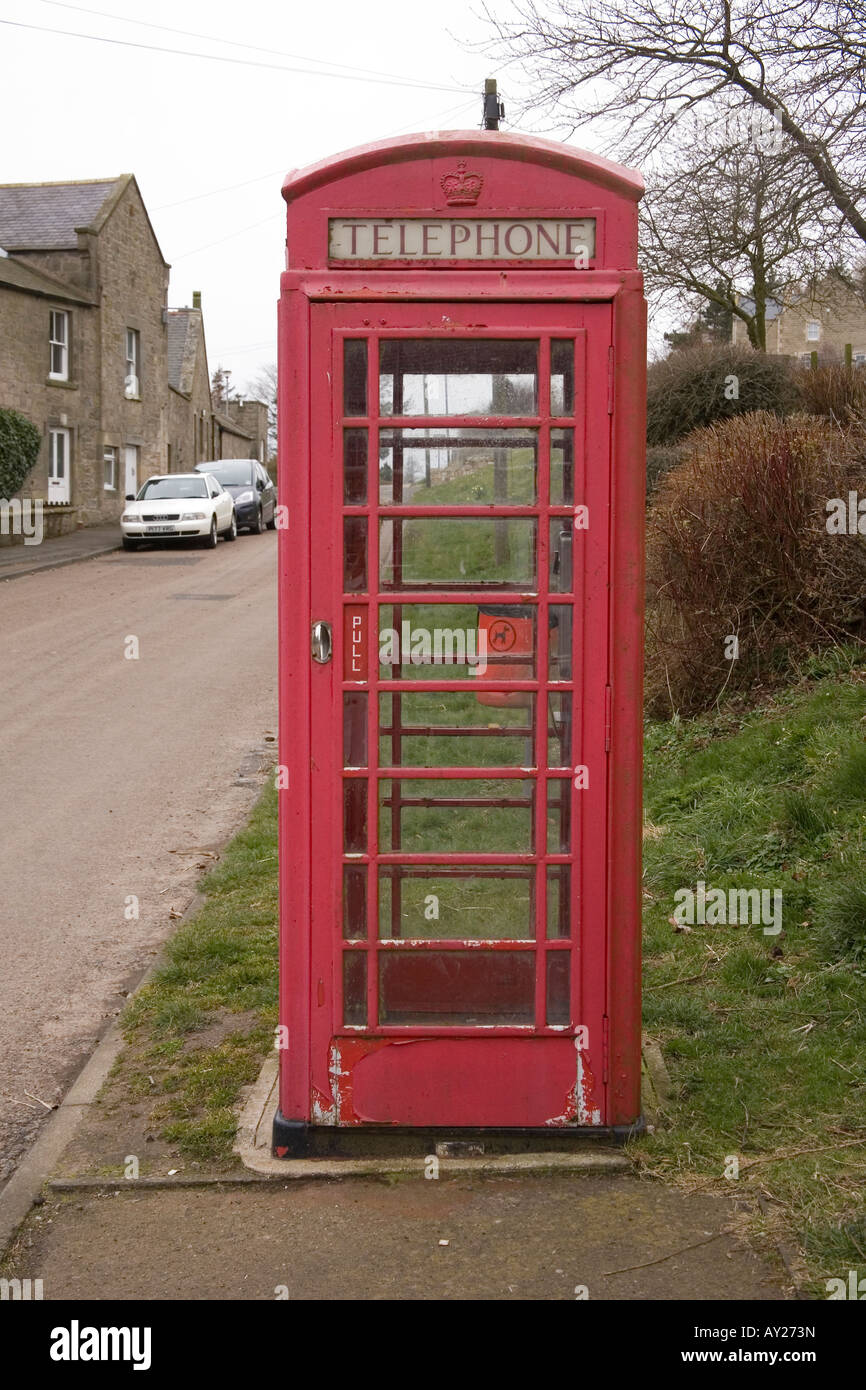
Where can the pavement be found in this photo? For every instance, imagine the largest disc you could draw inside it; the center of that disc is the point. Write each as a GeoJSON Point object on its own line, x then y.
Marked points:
{"type": "Point", "coordinates": [547, 1237]}
{"type": "Point", "coordinates": [89, 541]}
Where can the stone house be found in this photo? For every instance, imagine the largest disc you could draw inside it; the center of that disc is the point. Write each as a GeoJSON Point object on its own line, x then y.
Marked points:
{"type": "Point", "coordinates": [83, 341]}
{"type": "Point", "coordinates": [197, 429]}
{"type": "Point", "coordinates": [822, 325]}
{"type": "Point", "coordinates": [115, 381]}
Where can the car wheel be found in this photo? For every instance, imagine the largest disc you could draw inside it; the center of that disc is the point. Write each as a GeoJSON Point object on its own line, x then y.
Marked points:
{"type": "Point", "coordinates": [128, 544]}
{"type": "Point", "coordinates": [258, 525]}
{"type": "Point", "coordinates": [211, 539]}
{"type": "Point", "coordinates": [231, 534]}
{"type": "Point", "coordinates": [272, 524]}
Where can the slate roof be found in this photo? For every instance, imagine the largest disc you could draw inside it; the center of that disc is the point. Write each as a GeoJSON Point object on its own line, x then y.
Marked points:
{"type": "Point", "coordinates": [43, 216]}
{"type": "Point", "coordinates": [183, 336]}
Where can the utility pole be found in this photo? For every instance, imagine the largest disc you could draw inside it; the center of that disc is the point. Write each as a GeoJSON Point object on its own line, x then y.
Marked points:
{"type": "Point", "coordinates": [494, 109]}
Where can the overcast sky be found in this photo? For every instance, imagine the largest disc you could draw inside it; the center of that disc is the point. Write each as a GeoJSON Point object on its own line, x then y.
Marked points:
{"type": "Point", "coordinates": [193, 130]}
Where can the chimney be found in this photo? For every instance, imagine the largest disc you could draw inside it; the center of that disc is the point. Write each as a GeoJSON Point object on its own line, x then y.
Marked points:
{"type": "Point", "coordinates": [196, 299]}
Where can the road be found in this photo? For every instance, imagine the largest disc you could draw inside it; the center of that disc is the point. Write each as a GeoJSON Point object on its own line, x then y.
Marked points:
{"type": "Point", "coordinates": [111, 765]}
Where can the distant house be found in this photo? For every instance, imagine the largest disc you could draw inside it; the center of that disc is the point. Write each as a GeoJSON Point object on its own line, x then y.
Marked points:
{"type": "Point", "coordinates": [199, 431]}
{"type": "Point", "coordinates": [810, 326]}
{"type": "Point", "coordinates": [116, 382]}
{"type": "Point", "coordinates": [83, 340]}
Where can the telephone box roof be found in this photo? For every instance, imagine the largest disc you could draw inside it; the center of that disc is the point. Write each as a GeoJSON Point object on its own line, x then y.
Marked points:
{"type": "Point", "coordinates": [524, 149]}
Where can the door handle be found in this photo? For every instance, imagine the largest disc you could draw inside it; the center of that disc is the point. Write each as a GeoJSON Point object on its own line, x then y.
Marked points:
{"type": "Point", "coordinates": [322, 643]}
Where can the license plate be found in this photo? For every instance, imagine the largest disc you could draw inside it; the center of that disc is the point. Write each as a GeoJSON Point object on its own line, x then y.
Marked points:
{"type": "Point", "coordinates": [160, 530]}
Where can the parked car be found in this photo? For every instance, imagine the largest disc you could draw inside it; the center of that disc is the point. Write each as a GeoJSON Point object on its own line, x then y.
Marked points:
{"type": "Point", "coordinates": [179, 506]}
{"type": "Point", "coordinates": [252, 488]}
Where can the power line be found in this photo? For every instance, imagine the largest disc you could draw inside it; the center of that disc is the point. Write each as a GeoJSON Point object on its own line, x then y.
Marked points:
{"type": "Point", "coordinates": [253, 47]}
{"type": "Point", "coordinates": [229, 188]}
{"type": "Point", "coordinates": [235, 62]}
{"type": "Point", "coordinates": [272, 173]}
{"type": "Point", "coordinates": [240, 231]}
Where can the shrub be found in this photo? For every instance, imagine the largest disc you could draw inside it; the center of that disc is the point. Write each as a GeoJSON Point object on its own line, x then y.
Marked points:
{"type": "Point", "coordinates": [686, 390]}
{"type": "Point", "coordinates": [737, 545]}
{"type": "Point", "coordinates": [837, 392]}
{"type": "Point", "coordinates": [19, 448]}
{"type": "Point", "coordinates": [660, 459]}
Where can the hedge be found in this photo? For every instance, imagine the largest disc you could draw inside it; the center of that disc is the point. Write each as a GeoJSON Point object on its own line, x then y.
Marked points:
{"type": "Point", "coordinates": [20, 441]}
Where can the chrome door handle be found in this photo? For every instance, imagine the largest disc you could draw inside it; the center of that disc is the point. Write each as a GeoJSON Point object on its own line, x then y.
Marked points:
{"type": "Point", "coordinates": [322, 643]}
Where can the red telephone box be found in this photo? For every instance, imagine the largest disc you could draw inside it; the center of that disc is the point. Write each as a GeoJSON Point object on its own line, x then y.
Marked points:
{"type": "Point", "coordinates": [462, 386]}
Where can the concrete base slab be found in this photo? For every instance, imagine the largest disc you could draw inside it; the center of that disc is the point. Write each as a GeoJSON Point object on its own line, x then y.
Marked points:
{"type": "Point", "coordinates": [253, 1147]}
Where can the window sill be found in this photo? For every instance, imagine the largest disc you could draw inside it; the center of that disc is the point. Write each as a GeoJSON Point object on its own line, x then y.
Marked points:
{"type": "Point", "coordinates": [61, 382]}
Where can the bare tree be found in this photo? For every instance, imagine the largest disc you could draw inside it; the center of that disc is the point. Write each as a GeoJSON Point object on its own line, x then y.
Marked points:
{"type": "Point", "coordinates": [733, 222]}
{"type": "Point", "coordinates": [639, 66]}
{"type": "Point", "coordinates": [263, 387]}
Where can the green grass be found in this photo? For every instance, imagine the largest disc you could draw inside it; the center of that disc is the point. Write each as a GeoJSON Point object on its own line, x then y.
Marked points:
{"type": "Point", "coordinates": [197, 1033]}
{"type": "Point", "coordinates": [765, 1036]}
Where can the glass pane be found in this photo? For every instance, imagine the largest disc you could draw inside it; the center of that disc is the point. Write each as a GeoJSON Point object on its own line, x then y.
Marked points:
{"type": "Point", "coordinates": [458, 377]}
{"type": "Point", "coordinates": [355, 376]}
{"type": "Point", "coordinates": [354, 554]}
{"type": "Point", "coordinates": [457, 987]}
{"type": "Point", "coordinates": [457, 552]}
{"type": "Point", "coordinates": [559, 815]}
{"type": "Point", "coordinates": [354, 467]}
{"type": "Point", "coordinates": [354, 902]}
{"type": "Point", "coordinates": [469, 903]}
{"type": "Point", "coordinates": [355, 728]}
{"type": "Point", "coordinates": [561, 468]}
{"type": "Point", "coordinates": [562, 376]}
{"type": "Point", "coordinates": [355, 815]}
{"type": "Point", "coordinates": [561, 560]}
{"type": "Point", "coordinates": [355, 988]}
{"type": "Point", "coordinates": [559, 728]}
{"type": "Point", "coordinates": [445, 641]}
{"type": "Point", "coordinates": [458, 467]}
{"type": "Point", "coordinates": [558, 989]}
{"type": "Point", "coordinates": [456, 815]}
{"type": "Point", "coordinates": [442, 729]}
{"type": "Point", "coordinates": [558, 901]}
{"type": "Point", "coordinates": [559, 642]}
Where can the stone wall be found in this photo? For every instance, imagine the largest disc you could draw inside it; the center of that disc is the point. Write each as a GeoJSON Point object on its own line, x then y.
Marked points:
{"type": "Point", "coordinates": [25, 385]}
{"type": "Point", "coordinates": [133, 281]}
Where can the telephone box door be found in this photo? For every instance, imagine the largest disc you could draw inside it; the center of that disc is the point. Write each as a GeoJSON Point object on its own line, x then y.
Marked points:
{"type": "Point", "coordinates": [459, 615]}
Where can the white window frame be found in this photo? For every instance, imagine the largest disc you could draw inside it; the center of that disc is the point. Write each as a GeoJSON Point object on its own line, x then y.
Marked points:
{"type": "Point", "coordinates": [58, 319]}
{"type": "Point", "coordinates": [816, 336]}
{"type": "Point", "coordinates": [110, 459]}
{"type": "Point", "coordinates": [132, 375]}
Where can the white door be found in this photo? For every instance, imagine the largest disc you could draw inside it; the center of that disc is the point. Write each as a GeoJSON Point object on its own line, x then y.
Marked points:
{"type": "Point", "coordinates": [130, 463]}
{"type": "Point", "coordinates": [58, 466]}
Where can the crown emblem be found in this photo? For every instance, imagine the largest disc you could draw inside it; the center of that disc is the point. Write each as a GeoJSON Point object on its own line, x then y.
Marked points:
{"type": "Point", "coordinates": [461, 188]}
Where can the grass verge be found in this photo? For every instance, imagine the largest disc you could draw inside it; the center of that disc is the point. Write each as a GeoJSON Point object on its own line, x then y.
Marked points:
{"type": "Point", "coordinates": [765, 1034]}
{"type": "Point", "coordinates": [198, 1031]}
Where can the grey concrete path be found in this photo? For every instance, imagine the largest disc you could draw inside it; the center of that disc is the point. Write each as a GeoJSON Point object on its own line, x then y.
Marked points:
{"type": "Point", "coordinates": [542, 1238]}
{"type": "Point", "coordinates": [89, 541]}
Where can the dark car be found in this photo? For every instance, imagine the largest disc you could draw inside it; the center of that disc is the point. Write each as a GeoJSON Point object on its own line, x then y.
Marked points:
{"type": "Point", "coordinates": [252, 488]}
